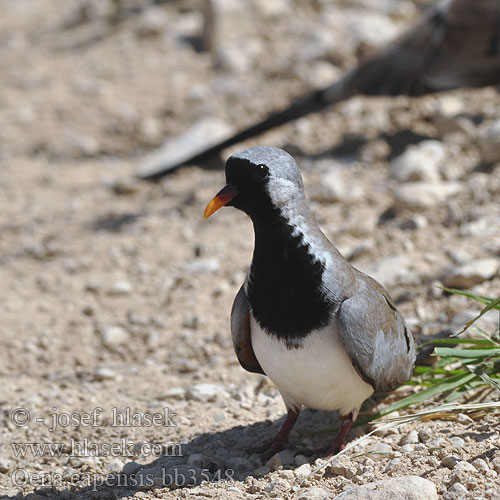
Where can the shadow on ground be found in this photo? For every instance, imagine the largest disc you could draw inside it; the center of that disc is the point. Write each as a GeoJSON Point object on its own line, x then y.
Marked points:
{"type": "Point", "coordinates": [213, 456]}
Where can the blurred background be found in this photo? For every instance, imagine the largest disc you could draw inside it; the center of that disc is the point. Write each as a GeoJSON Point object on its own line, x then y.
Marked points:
{"type": "Point", "coordinates": [115, 291]}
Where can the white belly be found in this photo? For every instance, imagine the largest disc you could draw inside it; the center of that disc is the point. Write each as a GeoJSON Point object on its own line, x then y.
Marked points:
{"type": "Point", "coordinates": [317, 375]}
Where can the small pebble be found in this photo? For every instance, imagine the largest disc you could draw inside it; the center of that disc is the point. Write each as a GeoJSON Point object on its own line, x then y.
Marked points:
{"type": "Point", "coordinates": [263, 470]}
{"type": "Point", "coordinates": [462, 418]}
{"type": "Point", "coordinates": [480, 465]}
{"type": "Point", "coordinates": [120, 288]}
{"type": "Point", "coordinates": [410, 438]}
{"type": "Point", "coordinates": [392, 465]}
{"type": "Point", "coordinates": [464, 466]}
{"type": "Point", "coordinates": [495, 464]}
{"type": "Point", "coordinates": [425, 194]}
{"type": "Point", "coordinates": [287, 457]}
{"type": "Point", "coordinates": [378, 451]}
{"type": "Point", "coordinates": [300, 460]}
{"type": "Point", "coordinates": [131, 468]}
{"type": "Point", "coordinates": [472, 273]}
{"type": "Point", "coordinates": [456, 492]}
{"type": "Point", "coordinates": [68, 474]}
{"type": "Point", "coordinates": [311, 494]}
{"type": "Point", "coordinates": [114, 336]}
{"type": "Point", "coordinates": [104, 373]}
{"type": "Point", "coordinates": [425, 435]}
{"type": "Point", "coordinates": [407, 448]}
{"type": "Point", "coordinates": [203, 266]}
{"type": "Point", "coordinates": [344, 470]}
{"type": "Point", "coordinates": [94, 285]}
{"type": "Point", "coordinates": [303, 470]}
{"type": "Point", "coordinates": [204, 392]}
{"type": "Point", "coordinates": [398, 488]}
{"type": "Point", "coordinates": [439, 442]}
{"type": "Point", "coordinates": [457, 442]}
{"type": "Point", "coordinates": [177, 393]}
{"type": "Point", "coordinates": [274, 463]}
{"type": "Point", "coordinates": [450, 461]}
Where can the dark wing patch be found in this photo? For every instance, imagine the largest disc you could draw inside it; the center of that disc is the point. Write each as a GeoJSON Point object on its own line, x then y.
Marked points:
{"type": "Point", "coordinates": [240, 333]}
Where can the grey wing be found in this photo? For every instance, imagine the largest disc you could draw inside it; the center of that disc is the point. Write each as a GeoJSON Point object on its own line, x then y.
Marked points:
{"type": "Point", "coordinates": [240, 332]}
{"type": "Point", "coordinates": [376, 337]}
{"type": "Point", "coordinates": [456, 45]}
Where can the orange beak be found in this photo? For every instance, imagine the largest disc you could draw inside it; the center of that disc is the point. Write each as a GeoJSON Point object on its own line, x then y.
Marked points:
{"type": "Point", "coordinates": [222, 198]}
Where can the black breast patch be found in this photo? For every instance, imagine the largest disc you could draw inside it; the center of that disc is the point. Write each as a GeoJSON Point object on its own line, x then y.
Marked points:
{"type": "Point", "coordinates": [284, 289]}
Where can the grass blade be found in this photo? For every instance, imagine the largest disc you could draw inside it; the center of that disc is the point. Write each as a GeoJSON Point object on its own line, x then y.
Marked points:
{"type": "Point", "coordinates": [466, 353]}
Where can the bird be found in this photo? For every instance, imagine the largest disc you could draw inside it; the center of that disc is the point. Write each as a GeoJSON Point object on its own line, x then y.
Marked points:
{"type": "Point", "coordinates": [455, 44]}
{"type": "Point", "coordinates": [326, 334]}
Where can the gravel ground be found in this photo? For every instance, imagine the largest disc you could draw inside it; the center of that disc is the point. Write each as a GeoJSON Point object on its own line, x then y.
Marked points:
{"type": "Point", "coordinates": [116, 364]}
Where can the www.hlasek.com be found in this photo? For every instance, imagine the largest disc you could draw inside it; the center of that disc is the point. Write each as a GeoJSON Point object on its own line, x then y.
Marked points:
{"type": "Point", "coordinates": [177, 477]}
{"type": "Point", "coordinates": [86, 448]}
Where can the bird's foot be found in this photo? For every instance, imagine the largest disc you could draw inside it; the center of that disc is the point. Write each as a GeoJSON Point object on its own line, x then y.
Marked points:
{"type": "Point", "coordinates": [269, 448]}
{"type": "Point", "coordinates": [338, 443]}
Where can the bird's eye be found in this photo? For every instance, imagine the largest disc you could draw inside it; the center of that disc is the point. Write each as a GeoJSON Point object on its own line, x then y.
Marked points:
{"type": "Point", "coordinates": [260, 172]}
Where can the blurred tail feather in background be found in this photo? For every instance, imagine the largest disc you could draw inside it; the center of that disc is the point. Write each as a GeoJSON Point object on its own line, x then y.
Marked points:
{"type": "Point", "coordinates": [455, 45]}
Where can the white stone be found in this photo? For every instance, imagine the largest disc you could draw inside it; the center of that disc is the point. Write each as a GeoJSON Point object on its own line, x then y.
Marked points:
{"type": "Point", "coordinates": [464, 466]}
{"type": "Point", "coordinates": [173, 393]}
{"type": "Point", "coordinates": [456, 492]}
{"type": "Point", "coordinates": [472, 273]}
{"type": "Point", "coordinates": [120, 288]}
{"type": "Point", "coordinates": [203, 266]}
{"type": "Point", "coordinates": [311, 494]}
{"type": "Point", "coordinates": [424, 435]}
{"type": "Point", "coordinates": [462, 418]}
{"type": "Point", "coordinates": [438, 442]}
{"type": "Point", "coordinates": [480, 465]}
{"type": "Point", "coordinates": [152, 22]}
{"type": "Point", "coordinates": [457, 442]}
{"type": "Point", "coordinates": [204, 392]}
{"type": "Point", "coordinates": [409, 488]}
{"type": "Point", "coordinates": [394, 270]}
{"type": "Point", "coordinates": [276, 8]}
{"type": "Point", "coordinates": [379, 451]}
{"type": "Point", "coordinates": [495, 464]}
{"type": "Point", "coordinates": [114, 336]}
{"type": "Point", "coordinates": [337, 186]}
{"type": "Point", "coordinates": [449, 105]}
{"type": "Point", "coordinates": [419, 163]}
{"type": "Point", "coordinates": [303, 470]}
{"type": "Point", "coordinates": [425, 194]}
{"type": "Point", "coordinates": [103, 373]}
{"type": "Point", "coordinates": [410, 438]}
{"type": "Point", "coordinates": [392, 465]}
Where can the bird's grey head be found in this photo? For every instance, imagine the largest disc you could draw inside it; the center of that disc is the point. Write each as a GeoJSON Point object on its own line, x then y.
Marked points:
{"type": "Point", "coordinates": [260, 179]}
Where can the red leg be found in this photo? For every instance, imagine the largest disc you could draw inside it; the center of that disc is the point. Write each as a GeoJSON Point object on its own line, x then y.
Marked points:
{"type": "Point", "coordinates": [276, 444]}
{"type": "Point", "coordinates": [339, 441]}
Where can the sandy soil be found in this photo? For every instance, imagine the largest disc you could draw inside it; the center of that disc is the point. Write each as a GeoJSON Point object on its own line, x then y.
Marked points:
{"type": "Point", "coordinates": [114, 303]}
